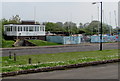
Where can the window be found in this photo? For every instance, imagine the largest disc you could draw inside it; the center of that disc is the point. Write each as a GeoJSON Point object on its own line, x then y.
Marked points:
{"type": "Point", "coordinates": [31, 28]}
{"type": "Point", "coordinates": [14, 28]}
{"type": "Point", "coordinates": [7, 28]}
{"type": "Point", "coordinates": [40, 28]}
{"type": "Point", "coordinates": [35, 28]}
{"type": "Point", "coordinates": [19, 28]}
{"type": "Point", "coordinates": [26, 28]}
{"type": "Point", "coordinates": [11, 28]}
{"type": "Point", "coordinates": [43, 29]}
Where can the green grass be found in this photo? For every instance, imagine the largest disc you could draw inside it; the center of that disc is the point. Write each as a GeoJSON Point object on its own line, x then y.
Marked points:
{"type": "Point", "coordinates": [49, 60]}
{"type": "Point", "coordinates": [7, 43]}
{"type": "Point", "coordinates": [42, 43]}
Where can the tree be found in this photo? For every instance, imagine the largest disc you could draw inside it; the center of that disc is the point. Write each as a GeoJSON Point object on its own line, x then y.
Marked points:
{"type": "Point", "coordinates": [81, 25]}
{"type": "Point", "coordinates": [70, 27]}
{"type": "Point", "coordinates": [116, 30]}
{"type": "Point", "coordinates": [49, 26]}
{"type": "Point", "coordinates": [3, 22]}
{"type": "Point", "coordinates": [92, 28]}
{"type": "Point", "coordinates": [86, 24]}
{"type": "Point", "coordinates": [15, 19]}
{"type": "Point", "coordinates": [59, 26]}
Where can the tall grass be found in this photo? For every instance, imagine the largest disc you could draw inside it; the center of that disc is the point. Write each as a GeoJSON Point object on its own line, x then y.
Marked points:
{"type": "Point", "coordinates": [49, 60]}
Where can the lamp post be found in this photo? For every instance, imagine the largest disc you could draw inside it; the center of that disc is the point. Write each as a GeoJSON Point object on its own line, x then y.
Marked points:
{"type": "Point", "coordinates": [100, 25]}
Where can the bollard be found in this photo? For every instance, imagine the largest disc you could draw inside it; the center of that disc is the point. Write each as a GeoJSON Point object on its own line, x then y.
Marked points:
{"type": "Point", "coordinates": [14, 57]}
{"type": "Point", "coordinates": [29, 60]}
{"type": "Point", "coordinates": [10, 55]}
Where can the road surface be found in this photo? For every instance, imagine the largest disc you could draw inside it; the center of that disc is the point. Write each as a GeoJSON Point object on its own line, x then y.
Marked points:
{"type": "Point", "coordinates": [104, 71]}
{"type": "Point", "coordinates": [57, 49]}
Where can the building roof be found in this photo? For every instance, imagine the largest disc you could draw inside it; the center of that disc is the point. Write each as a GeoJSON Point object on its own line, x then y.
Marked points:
{"type": "Point", "coordinates": [26, 22]}
{"type": "Point", "coordinates": [22, 24]}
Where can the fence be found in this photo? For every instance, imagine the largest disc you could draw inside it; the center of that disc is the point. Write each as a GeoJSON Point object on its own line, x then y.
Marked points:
{"type": "Point", "coordinates": [81, 39]}
{"type": "Point", "coordinates": [104, 39]}
{"type": "Point", "coordinates": [64, 39]}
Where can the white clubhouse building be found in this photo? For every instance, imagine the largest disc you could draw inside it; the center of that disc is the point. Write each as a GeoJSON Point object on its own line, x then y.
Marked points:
{"type": "Point", "coordinates": [25, 30]}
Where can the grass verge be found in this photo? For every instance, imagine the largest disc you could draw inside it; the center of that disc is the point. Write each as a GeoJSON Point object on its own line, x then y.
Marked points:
{"type": "Point", "coordinates": [58, 59]}
{"type": "Point", "coordinates": [42, 43]}
{"type": "Point", "coordinates": [7, 43]}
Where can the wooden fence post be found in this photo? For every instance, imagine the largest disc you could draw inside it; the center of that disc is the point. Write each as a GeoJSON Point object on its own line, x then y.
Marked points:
{"type": "Point", "coordinates": [14, 56]}
{"type": "Point", "coordinates": [30, 60]}
{"type": "Point", "coordinates": [10, 55]}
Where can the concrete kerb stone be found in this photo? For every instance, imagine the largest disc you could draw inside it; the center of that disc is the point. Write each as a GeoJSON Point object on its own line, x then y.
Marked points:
{"type": "Point", "coordinates": [54, 46]}
{"type": "Point", "coordinates": [36, 47]}
{"type": "Point", "coordinates": [46, 69]}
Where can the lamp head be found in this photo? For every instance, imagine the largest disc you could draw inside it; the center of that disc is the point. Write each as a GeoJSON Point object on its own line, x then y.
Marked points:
{"type": "Point", "coordinates": [94, 3]}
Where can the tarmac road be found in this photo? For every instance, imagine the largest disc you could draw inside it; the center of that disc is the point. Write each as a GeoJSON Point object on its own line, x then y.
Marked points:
{"type": "Point", "coordinates": [57, 49]}
{"type": "Point", "coordinates": [104, 71]}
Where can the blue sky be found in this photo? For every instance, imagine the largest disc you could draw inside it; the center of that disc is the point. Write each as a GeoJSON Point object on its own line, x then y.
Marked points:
{"type": "Point", "coordinates": [60, 11]}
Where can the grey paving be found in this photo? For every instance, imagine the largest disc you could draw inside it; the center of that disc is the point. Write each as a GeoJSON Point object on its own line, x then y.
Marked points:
{"type": "Point", "coordinates": [105, 71]}
{"type": "Point", "coordinates": [57, 49]}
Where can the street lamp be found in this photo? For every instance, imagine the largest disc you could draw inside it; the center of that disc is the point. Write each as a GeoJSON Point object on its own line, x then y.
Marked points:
{"type": "Point", "coordinates": [101, 26]}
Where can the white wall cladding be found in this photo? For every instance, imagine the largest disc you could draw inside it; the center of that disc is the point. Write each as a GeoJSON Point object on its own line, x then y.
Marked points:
{"type": "Point", "coordinates": [24, 30]}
